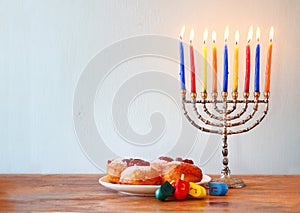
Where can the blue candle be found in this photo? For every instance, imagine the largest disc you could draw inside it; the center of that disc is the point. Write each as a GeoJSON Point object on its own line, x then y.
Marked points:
{"type": "Point", "coordinates": [225, 78]}
{"type": "Point", "coordinates": [181, 54]}
{"type": "Point", "coordinates": [257, 62]}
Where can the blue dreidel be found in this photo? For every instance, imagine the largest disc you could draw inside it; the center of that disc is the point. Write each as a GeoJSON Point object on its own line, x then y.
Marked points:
{"type": "Point", "coordinates": [164, 191]}
{"type": "Point", "coordinates": [218, 188]}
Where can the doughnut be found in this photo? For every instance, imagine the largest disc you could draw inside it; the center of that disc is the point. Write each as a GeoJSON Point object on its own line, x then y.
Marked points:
{"type": "Point", "coordinates": [160, 163]}
{"type": "Point", "coordinates": [173, 171]}
{"type": "Point", "coordinates": [117, 166]}
{"type": "Point", "coordinates": [140, 175]}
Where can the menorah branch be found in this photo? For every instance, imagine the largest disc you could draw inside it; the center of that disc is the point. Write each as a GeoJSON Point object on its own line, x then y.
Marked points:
{"type": "Point", "coordinates": [226, 125]}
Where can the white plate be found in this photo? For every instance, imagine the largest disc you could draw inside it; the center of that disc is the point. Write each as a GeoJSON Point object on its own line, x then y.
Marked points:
{"type": "Point", "coordinates": [139, 190]}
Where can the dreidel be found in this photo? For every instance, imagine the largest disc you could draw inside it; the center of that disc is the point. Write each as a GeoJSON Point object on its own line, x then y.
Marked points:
{"type": "Point", "coordinates": [164, 191]}
{"type": "Point", "coordinates": [181, 188]}
{"type": "Point", "coordinates": [217, 188]}
{"type": "Point", "coordinates": [197, 191]}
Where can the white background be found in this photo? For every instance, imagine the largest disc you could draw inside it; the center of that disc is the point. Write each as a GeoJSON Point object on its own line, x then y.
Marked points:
{"type": "Point", "coordinates": [45, 45]}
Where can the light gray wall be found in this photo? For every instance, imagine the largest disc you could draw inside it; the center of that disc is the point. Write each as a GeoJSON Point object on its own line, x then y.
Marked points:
{"type": "Point", "coordinates": [46, 45]}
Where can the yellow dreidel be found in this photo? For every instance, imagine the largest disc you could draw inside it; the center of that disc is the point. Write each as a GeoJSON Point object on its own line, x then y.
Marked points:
{"type": "Point", "coordinates": [197, 191]}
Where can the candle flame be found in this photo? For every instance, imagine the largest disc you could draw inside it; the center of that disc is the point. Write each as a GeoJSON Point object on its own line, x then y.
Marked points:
{"type": "Point", "coordinates": [205, 35]}
{"type": "Point", "coordinates": [182, 32]}
{"type": "Point", "coordinates": [257, 34]}
{"type": "Point", "coordinates": [237, 37]}
{"type": "Point", "coordinates": [214, 36]}
{"type": "Point", "coordinates": [192, 33]}
{"type": "Point", "coordinates": [250, 33]}
{"type": "Point", "coordinates": [226, 34]}
{"type": "Point", "coordinates": [271, 34]}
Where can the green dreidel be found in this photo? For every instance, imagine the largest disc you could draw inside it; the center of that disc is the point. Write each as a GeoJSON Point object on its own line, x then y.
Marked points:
{"type": "Point", "coordinates": [164, 191]}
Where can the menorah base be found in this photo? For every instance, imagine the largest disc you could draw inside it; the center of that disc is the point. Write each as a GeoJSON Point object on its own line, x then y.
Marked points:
{"type": "Point", "coordinates": [230, 181]}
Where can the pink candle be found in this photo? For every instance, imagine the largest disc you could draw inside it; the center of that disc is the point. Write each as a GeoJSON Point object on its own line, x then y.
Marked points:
{"type": "Point", "coordinates": [214, 63]}
{"type": "Point", "coordinates": [193, 78]}
{"type": "Point", "coordinates": [248, 61]}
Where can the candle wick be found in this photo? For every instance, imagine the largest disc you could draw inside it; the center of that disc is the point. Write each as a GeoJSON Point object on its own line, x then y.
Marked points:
{"type": "Point", "coordinates": [236, 43]}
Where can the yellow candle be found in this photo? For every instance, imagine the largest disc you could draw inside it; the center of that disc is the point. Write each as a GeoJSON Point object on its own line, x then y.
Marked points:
{"type": "Point", "coordinates": [204, 74]}
{"type": "Point", "coordinates": [269, 58]}
{"type": "Point", "coordinates": [214, 63]}
{"type": "Point", "coordinates": [236, 63]}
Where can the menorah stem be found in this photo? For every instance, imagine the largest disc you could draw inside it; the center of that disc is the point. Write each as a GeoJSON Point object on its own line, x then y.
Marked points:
{"type": "Point", "coordinates": [225, 173]}
{"type": "Point", "coordinates": [226, 170]}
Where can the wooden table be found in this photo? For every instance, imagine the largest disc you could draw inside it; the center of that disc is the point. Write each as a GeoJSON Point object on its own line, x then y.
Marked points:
{"type": "Point", "coordinates": [82, 193]}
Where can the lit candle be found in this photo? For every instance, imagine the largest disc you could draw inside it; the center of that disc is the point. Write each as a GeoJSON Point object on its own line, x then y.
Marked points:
{"type": "Point", "coordinates": [225, 75]}
{"type": "Point", "coordinates": [214, 62]}
{"type": "Point", "coordinates": [236, 63]}
{"type": "Point", "coordinates": [269, 58]}
{"type": "Point", "coordinates": [204, 83]}
{"type": "Point", "coordinates": [257, 62]}
{"type": "Point", "coordinates": [181, 55]}
{"type": "Point", "coordinates": [193, 79]}
{"type": "Point", "coordinates": [248, 61]}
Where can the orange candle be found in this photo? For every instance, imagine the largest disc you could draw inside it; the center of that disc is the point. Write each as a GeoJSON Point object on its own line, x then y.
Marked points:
{"type": "Point", "coordinates": [214, 63]}
{"type": "Point", "coordinates": [269, 59]}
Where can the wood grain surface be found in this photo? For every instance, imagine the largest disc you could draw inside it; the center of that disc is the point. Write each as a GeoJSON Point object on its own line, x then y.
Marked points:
{"type": "Point", "coordinates": [82, 193]}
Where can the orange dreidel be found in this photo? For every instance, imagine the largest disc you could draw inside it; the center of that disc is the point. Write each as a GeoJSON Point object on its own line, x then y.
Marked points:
{"type": "Point", "coordinates": [197, 191]}
{"type": "Point", "coordinates": [181, 188]}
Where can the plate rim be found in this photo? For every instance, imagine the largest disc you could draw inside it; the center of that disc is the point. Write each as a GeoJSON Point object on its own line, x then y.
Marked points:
{"type": "Point", "coordinates": [135, 189]}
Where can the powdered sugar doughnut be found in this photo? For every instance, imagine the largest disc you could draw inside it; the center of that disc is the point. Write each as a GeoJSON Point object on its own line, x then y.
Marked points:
{"type": "Point", "coordinates": [140, 175]}
{"type": "Point", "coordinates": [117, 166]}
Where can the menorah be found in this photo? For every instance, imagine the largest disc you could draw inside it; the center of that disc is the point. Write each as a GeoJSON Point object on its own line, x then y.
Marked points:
{"type": "Point", "coordinates": [225, 117]}
{"type": "Point", "coordinates": [222, 115]}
